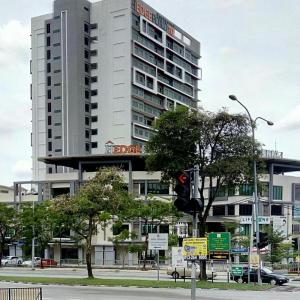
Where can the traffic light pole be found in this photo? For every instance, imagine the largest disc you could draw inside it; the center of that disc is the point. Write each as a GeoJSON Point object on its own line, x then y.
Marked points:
{"type": "Point", "coordinates": [195, 231]}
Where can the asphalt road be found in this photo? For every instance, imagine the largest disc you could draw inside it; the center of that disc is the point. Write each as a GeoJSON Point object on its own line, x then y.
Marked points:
{"type": "Point", "coordinates": [58, 292]}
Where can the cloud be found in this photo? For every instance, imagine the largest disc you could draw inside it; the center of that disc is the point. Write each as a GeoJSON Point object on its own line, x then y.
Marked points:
{"type": "Point", "coordinates": [22, 170]}
{"type": "Point", "coordinates": [291, 121]}
{"type": "Point", "coordinates": [14, 43]}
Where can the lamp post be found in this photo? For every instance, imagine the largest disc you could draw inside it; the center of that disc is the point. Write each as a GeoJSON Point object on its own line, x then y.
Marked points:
{"type": "Point", "coordinates": [256, 203]}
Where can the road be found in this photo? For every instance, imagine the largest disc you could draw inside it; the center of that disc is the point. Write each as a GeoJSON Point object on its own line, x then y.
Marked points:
{"type": "Point", "coordinates": [58, 292]}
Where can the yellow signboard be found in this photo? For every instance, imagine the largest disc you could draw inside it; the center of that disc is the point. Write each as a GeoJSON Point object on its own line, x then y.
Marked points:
{"type": "Point", "coordinates": [254, 260]}
{"type": "Point", "coordinates": [194, 248]}
{"type": "Point", "coordinates": [297, 258]}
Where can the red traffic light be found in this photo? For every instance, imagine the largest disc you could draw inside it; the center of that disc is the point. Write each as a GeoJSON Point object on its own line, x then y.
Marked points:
{"type": "Point", "coordinates": [182, 177]}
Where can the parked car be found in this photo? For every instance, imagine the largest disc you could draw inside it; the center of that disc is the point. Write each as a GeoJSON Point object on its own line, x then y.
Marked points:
{"type": "Point", "coordinates": [181, 272]}
{"type": "Point", "coordinates": [267, 276]}
{"type": "Point", "coordinates": [28, 263]}
{"type": "Point", "coordinates": [46, 262]}
{"type": "Point", "coordinates": [11, 260]}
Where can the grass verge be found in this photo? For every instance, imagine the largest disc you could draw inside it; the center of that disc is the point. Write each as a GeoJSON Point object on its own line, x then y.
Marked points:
{"type": "Point", "coordinates": [134, 283]}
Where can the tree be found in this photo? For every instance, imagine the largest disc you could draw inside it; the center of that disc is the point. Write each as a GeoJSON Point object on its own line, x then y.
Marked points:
{"type": "Point", "coordinates": [103, 195]}
{"type": "Point", "coordinates": [152, 213]}
{"type": "Point", "coordinates": [218, 143]}
{"type": "Point", "coordinates": [9, 226]}
{"type": "Point", "coordinates": [37, 222]}
{"type": "Point", "coordinates": [279, 247]}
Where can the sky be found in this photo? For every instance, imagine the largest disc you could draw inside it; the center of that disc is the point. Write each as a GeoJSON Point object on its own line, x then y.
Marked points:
{"type": "Point", "coordinates": [249, 48]}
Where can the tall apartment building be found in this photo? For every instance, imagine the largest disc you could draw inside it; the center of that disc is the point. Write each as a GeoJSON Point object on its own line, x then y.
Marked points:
{"type": "Point", "coordinates": [101, 73]}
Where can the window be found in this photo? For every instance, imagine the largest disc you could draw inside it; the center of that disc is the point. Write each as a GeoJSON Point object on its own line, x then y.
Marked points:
{"type": "Point", "coordinates": [48, 54]}
{"type": "Point", "coordinates": [94, 144]}
{"type": "Point", "coordinates": [277, 192]}
{"type": "Point", "coordinates": [94, 131]}
{"type": "Point", "coordinates": [219, 210]}
{"type": "Point", "coordinates": [57, 111]}
{"type": "Point", "coordinates": [87, 134]}
{"type": "Point", "coordinates": [230, 210]}
{"type": "Point", "coordinates": [48, 41]}
{"type": "Point", "coordinates": [49, 133]}
{"type": "Point", "coordinates": [86, 41]}
{"type": "Point", "coordinates": [94, 79]}
{"type": "Point", "coordinates": [49, 107]}
{"type": "Point", "coordinates": [57, 150]}
{"type": "Point", "coordinates": [94, 118]}
{"type": "Point", "coordinates": [94, 105]}
{"type": "Point", "coordinates": [87, 94]}
{"type": "Point", "coordinates": [58, 137]}
{"type": "Point", "coordinates": [56, 30]}
{"type": "Point", "coordinates": [245, 209]}
{"type": "Point", "coordinates": [93, 52]}
{"type": "Point", "coordinates": [49, 146]}
{"type": "Point", "coordinates": [48, 81]}
{"type": "Point", "coordinates": [86, 54]}
{"type": "Point", "coordinates": [50, 170]}
{"type": "Point", "coordinates": [87, 107]}
{"type": "Point", "coordinates": [276, 210]}
{"type": "Point", "coordinates": [246, 190]}
{"type": "Point", "coordinates": [87, 147]}
{"type": "Point", "coordinates": [56, 44]}
{"type": "Point", "coordinates": [94, 92]}
{"type": "Point", "coordinates": [87, 121]}
{"type": "Point", "coordinates": [49, 120]}
{"type": "Point", "coordinates": [87, 80]}
{"type": "Point", "coordinates": [86, 68]}
{"type": "Point", "coordinates": [94, 26]}
{"type": "Point", "coordinates": [49, 94]}
{"type": "Point", "coordinates": [85, 8]}
{"type": "Point", "coordinates": [86, 27]}
{"type": "Point", "coordinates": [56, 57]}
{"type": "Point", "coordinates": [57, 97]}
{"type": "Point", "coordinates": [94, 66]}
{"type": "Point", "coordinates": [48, 28]}
{"type": "Point", "coordinates": [48, 67]}
{"type": "Point", "coordinates": [154, 188]}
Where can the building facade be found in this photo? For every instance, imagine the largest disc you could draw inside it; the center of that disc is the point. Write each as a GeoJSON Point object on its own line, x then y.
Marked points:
{"type": "Point", "coordinates": [102, 72]}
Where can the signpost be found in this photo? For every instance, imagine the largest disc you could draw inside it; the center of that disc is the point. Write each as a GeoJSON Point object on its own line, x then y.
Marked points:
{"type": "Point", "coordinates": [219, 241]}
{"type": "Point", "coordinates": [158, 241]}
{"type": "Point", "coordinates": [237, 271]}
{"type": "Point", "coordinates": [194, 248]}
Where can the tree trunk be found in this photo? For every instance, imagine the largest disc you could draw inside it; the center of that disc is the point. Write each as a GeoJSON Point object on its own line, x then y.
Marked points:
{"type": "Point", "coordinates": [88, 257]}
{"type": "Point", "coordinates": [202, 275]}
{"type": "Point", "coordinates": [89, 249]}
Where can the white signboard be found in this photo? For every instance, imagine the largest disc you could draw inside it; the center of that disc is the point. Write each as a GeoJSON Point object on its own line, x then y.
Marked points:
{"type": "Point", "coordinates": [280, 224]}
{"type": "Point", "coordinates": [158, 241]}
{"type": "Point", "coordinates": [248, 220]}
{"type": "Point", "coordinates": [177, 258]}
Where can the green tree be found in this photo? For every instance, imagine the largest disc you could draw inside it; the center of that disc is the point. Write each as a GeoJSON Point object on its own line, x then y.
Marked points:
{"type": "Point", "coordinates": [37, 222]}
{"type": "Point", "coordinates": [9, 226]}
{"type": "Point", "coordinates": [279, 247]}
{"type": "Point", "coordinates": [152, 213]}
{"type": "Point", "coordinates": [218, 143]}
{"type": "Point", "coordinates": [102, 196]}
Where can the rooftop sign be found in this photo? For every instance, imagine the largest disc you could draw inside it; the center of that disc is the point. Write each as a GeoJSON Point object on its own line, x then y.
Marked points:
{"type": "Point", "coordinates": [111, 148]}
{"type": "Point", "coordinates": [152, 16]}
{"type": "Point", "coordinates": [271, 154]}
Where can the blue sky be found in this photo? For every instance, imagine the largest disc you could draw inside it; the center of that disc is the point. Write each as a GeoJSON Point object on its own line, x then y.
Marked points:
{"type": "Point", "coordinates": [249, 48]}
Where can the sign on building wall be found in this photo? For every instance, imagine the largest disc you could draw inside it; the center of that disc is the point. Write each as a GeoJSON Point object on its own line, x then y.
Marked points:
{"type": "Point", "coordinates": [280, 224]}
{"type": "Point", "coordinates": [261, 220]}
{"type": "Point", "coordinates": [111, 148]}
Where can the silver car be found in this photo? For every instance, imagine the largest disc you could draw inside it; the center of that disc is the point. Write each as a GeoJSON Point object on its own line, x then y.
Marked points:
{"type": "Point", "coordinates": [11, 260]}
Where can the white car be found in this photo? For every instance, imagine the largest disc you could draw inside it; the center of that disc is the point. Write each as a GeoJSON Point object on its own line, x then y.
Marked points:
{"type": "Point", "coordinates": [181, 272]}
{"type": "Point", "coordinates": [11, 260]}
{"type": "Point", "coordinates": [28, 263]}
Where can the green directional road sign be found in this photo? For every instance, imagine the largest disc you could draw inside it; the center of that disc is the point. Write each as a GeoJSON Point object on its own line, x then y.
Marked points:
{"type": "Point", "coordinates": [237, 270]}
{"type": "Point", "coordinates": [219, 241]}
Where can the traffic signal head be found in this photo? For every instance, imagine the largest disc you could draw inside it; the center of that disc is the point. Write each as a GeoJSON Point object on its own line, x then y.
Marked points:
{"type": "Point", "coordinates": [263, 240]}
{"type": "Point", "coordinates": [184, 202]}
{"type": "Point", "coordinates": [183, 190]}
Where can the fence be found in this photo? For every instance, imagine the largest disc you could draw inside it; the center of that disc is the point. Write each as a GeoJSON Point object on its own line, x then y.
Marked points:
{"type": "Point", "coordinates": [21, 294]}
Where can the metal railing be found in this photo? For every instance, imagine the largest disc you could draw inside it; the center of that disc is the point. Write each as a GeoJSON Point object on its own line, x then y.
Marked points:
{"type": "Point", "coordinates": [21, 294]}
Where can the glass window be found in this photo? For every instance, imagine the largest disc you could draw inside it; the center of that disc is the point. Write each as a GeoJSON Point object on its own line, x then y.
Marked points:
{"type": "Point", "coordinates": [245, 209]}
{"type": "Point", "coordinates": [246, 190]}
{"type": "Point", "coordinates": [277, 192]}
{"type": "Point", "coordinates": [230, 210]}
{"type": "Point", "coordinates": [276, 210]}
{"type": "Point", "coordinates": [48, 41]}
{"type": "Point", "coordinates": [219, 210]}
{"type": "Point", "coordinates": [94, 144]}
{"type": "Point", "coordinates": [48, 28]}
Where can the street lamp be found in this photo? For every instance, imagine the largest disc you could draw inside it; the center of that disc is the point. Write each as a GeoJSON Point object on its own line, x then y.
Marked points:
{"type": "Point", "coordinates": [256, 214]}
